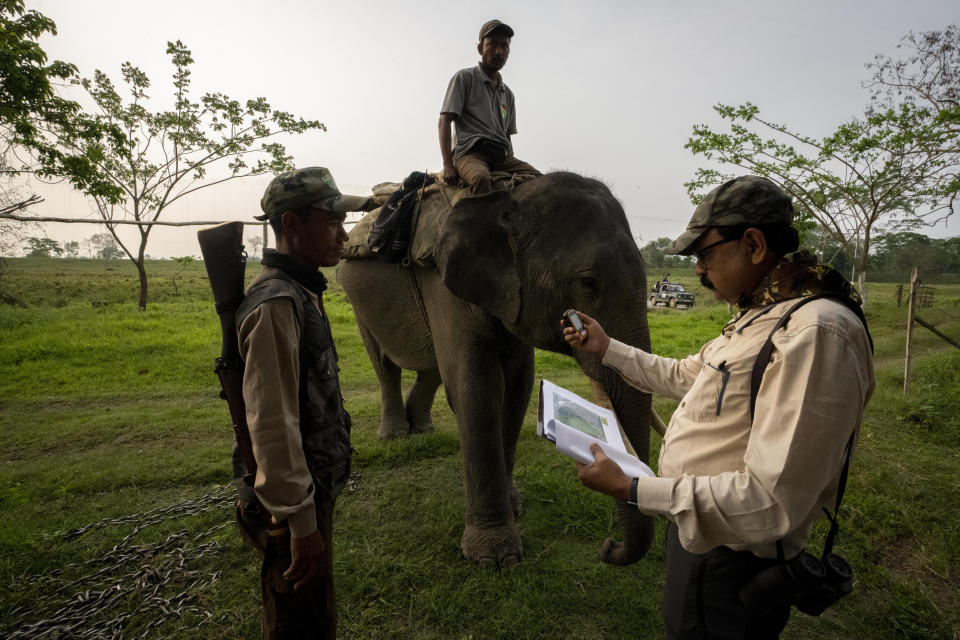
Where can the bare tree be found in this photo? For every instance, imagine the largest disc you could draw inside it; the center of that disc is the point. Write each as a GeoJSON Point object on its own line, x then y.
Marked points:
{"type": "Point", "coordinates": [255, 242]}
{"type": "Point", "coordinates": [104, 246]}
{"type": "Point", "coordinates": [929, 74]}
{"type": "Point", "coordinates": [925, 83]}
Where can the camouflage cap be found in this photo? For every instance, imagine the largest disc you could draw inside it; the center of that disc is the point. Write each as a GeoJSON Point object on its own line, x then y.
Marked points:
{"type": "Point", "coordinates": [494, 25]}
{"type": "Point", "coordinates": [308, 187]}
{"type": "Point", "coordinates": [744, 200]}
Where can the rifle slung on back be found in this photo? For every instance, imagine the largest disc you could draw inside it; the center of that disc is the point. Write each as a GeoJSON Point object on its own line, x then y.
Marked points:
{"type": "Point", "coordinates": [225, 259]}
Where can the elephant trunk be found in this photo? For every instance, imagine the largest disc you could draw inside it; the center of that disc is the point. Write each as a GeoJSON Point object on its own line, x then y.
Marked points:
{"type": "Point", "coordinates": [633, 409]}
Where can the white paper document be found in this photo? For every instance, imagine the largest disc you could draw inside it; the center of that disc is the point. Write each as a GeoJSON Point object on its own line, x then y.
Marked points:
{"type": "Point", "coordinates": [574, 424]}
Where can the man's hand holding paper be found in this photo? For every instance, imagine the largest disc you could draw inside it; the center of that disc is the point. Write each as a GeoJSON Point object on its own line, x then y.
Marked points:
{"type": "Point", "coordinates": [604, 475]}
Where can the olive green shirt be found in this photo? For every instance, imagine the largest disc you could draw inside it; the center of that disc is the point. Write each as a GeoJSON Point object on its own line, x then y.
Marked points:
{"type": "Point", "coordinates": [482, 111]}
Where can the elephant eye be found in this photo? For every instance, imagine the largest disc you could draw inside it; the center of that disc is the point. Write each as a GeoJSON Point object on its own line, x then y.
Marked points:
{"type": "Point", "coordinates": [589, 283]}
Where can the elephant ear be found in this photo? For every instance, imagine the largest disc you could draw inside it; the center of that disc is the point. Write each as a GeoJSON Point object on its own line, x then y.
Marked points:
{"type": "Point", "coordinates": [475, 255]}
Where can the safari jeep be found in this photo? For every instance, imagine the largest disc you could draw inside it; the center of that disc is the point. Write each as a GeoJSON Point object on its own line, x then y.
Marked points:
{"type": "Point", "coordinates": [670, 294]}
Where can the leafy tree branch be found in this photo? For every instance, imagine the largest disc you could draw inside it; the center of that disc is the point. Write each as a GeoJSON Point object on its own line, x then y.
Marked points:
{"type": "Point", "coordinates": [154, 159]}
{"type": "Point", "coordinates": [888, 166]}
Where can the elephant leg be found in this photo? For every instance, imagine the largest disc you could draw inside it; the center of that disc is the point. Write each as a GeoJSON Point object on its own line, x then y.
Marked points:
{"type": "Point", "coordinates": [518, 384]}
{"type": "Point", "coordinates": [490, 535]}
{"type": "Point", "coordinates": [420, 401]}
{"type": "Point", "coordinates": [475, 388]}
{"type": "Point", "coordinates": [393, 417]}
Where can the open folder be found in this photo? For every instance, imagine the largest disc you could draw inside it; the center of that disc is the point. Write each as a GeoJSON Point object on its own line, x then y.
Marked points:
{"type": "Point", "coordinates": [573, 424]}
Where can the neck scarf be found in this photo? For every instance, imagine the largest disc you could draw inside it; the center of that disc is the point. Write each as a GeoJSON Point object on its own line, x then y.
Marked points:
{"type": "Point", "coordinates": [311, 279]}
{"type": "Point", "coordinates": [797, 275]}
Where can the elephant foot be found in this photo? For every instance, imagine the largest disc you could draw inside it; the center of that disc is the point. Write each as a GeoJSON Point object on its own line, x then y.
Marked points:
{"type": "Point", "coordinates": [421, 427]}
{"type": "Point", "coordinates": [393, 429]}
{"type": "Point", "coordinates": [495, 547]}
{"type": "Point", "coordinates": [516, 501]}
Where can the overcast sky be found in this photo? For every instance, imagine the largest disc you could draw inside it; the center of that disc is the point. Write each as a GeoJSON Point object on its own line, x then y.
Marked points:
{"type": "Point", "coordinates": [609, 89]}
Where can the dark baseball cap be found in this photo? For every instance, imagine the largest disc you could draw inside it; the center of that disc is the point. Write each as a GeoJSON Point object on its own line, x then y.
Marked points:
{"type": "Point", "coordinates": [747, 200]}
{"type": "Point", "coordinates": [308, 187]}
{"type": "Point", "coordinates": [494, 25]}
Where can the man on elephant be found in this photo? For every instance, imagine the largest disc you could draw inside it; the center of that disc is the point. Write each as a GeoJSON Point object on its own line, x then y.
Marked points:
{"type": "Point", "coordinates": [741, 483]}
{"type": "Point", "coordinates": [481, 109]}
{"type": "Point", "coordinates": [298, 425]}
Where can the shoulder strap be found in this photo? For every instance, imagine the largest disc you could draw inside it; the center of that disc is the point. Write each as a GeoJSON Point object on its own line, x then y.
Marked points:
{"type": "Point", "coordinates": [763, 358]}
{"type": "Point", "coordinates": [841, 485]}
{"type": "Point", "coordinates": [760, 365]}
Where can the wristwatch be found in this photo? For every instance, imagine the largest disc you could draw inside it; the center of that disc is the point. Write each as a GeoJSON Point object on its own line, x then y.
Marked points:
{"type": "Point", "coordinates": [633, 492]}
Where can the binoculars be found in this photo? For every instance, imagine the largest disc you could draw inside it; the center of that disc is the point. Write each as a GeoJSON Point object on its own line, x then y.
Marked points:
{"type": "Point", "coordinates": [808, 583]}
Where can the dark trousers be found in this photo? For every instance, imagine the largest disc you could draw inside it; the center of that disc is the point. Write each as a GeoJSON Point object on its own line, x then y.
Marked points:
{"type": "Point", "coordinates": [701, 597]}
{"type": "Point", "coordinates": [287, 614]}
{"type": "Point", "coordinates": [474, 170]}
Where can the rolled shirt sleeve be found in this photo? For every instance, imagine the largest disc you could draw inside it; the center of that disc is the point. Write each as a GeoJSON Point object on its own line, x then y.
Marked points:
{"type": "Point", "coordinates": [269, 340]}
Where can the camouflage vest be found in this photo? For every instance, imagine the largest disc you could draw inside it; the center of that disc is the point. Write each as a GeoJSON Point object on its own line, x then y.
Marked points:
{"type": "Point", "coordinates": [324, 422]}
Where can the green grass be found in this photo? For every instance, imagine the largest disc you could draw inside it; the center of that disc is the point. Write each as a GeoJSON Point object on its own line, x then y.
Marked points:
{"type": "Point", "coordinates": [107, 412]}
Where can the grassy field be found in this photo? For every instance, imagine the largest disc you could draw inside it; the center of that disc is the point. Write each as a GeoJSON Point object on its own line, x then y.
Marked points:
{"type": "Point", "coordinates": [115, 509]}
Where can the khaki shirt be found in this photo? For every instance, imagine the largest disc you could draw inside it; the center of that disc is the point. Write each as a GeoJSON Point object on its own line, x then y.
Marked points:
{"type": "Point", "coordinates": [269, 340]}
{"type": "Point", "coordinates": [725, 482]}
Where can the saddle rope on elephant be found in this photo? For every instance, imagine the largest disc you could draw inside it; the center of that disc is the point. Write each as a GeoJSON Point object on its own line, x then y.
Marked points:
{"type": "Point", "coordinates": [436, 202]}
{"type": "Point", "coordinates": [425, 224]}
{"type": "Point", "coordinates": [407, 260]}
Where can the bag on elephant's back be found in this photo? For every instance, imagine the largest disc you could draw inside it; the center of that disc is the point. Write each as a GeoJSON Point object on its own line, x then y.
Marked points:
{"type": "Point", "coordinates": [389, 237]}
{"type": "Point", "coordinates": [437, 200]}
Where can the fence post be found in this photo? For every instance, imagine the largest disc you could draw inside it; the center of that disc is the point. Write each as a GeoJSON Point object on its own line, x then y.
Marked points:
{"type": "Point", "coordinates": [911, 303]}
{"type": "Point", "coordinates": [899, 294]}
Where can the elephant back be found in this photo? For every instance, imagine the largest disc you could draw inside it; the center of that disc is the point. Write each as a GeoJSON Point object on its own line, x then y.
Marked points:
{"type": "Point", "coordinates": [437, 201]}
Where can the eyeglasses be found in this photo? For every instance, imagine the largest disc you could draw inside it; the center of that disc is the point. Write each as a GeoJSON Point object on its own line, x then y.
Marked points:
{"type": "Point", "coordinates": [703, 252]}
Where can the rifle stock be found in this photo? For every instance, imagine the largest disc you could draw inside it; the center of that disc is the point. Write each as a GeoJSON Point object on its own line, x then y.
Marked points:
{"type": "Point", "coordinates": [225, 259]}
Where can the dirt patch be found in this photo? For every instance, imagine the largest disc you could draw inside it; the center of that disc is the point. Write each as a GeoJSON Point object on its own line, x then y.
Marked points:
{"type": "Point", "coordinates": [907, 560]}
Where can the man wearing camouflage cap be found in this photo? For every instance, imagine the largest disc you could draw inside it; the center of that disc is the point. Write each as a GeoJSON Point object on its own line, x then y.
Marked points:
{"type": "Point", "coordinates": [482, 110]}
{"type": "Point", "coordinates": [298, 425]}
{"type": "Point", "coordinates": [741, 482]}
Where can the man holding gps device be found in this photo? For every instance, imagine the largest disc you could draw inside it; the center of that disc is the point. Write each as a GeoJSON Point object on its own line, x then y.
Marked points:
{"type": "Point", "coordinates": [759, 445]}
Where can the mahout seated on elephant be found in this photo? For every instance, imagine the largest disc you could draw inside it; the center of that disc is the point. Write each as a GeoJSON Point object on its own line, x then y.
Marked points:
{"type": "Point", "coordinates": [507, 264]}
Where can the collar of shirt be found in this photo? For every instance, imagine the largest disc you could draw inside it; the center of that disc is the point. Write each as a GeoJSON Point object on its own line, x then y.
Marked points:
{"type": "Point", "coordinates": [745, 318]}
{"type": "Point", "coordinates": [478, 70]}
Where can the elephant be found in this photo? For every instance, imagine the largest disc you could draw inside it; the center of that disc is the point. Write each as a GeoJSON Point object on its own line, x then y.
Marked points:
{"type": "Point", "coordinates": [507, 266]}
